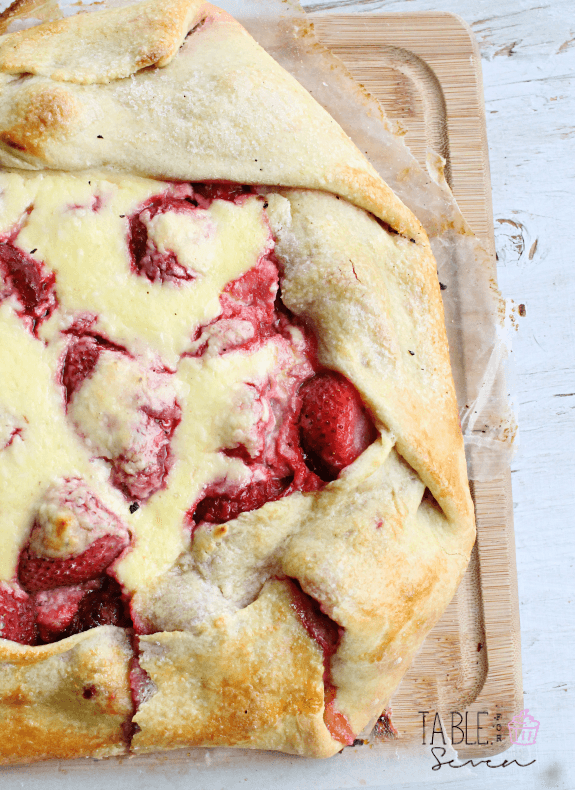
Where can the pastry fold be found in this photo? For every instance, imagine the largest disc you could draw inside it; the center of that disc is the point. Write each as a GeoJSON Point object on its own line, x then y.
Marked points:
{"type": "Point", "coordinates": [65, 700]}
{"type": "Point", "coordinates": [219, 107]}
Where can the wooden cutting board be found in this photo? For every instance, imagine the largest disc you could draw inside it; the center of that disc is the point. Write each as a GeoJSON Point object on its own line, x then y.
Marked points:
{"type": "Point", "coordinates": [425, 70]}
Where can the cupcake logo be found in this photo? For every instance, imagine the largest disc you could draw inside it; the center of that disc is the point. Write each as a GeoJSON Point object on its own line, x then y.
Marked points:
{"type": "Point", "coordinates": [523, 728]}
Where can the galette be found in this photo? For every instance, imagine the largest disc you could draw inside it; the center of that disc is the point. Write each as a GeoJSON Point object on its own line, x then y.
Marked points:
{"type": "Point", "coordinates": [233, 492]}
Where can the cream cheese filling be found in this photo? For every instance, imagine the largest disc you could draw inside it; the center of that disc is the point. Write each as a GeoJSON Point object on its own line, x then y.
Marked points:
{"type": "Point", "coordinates": [77, 225]}
{"type": "Point", "coordinates": [46, 449]}
{"type": "Point", "coordinates": [212, 390]}
{"type": "Point", "coordinates": [87, 248]}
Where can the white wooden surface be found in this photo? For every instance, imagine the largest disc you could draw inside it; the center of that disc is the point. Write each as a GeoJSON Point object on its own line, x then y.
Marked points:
{"type": "Point", "coordinates": [528, 57]}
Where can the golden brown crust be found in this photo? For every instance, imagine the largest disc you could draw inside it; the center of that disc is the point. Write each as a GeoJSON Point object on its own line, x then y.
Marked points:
{"type": "Point", "coordinates": [381, 556]}
{"type": "Point", "coordinates": [103, 45]}
{"type": "Point", "coordinates": [40, 114]}
{"type": "Point", "coordinates": [21, 10]}
{"type": "Point", "coordinates": [65, 700]}
{"type": "Point", "coordinates": [254, 680]}
{"type": "Point", "coordinates": [385, 578]}
{"type": "Point", "coordinates": [244, 120]}
{"type": "Point", "coordinates": [381, 324]}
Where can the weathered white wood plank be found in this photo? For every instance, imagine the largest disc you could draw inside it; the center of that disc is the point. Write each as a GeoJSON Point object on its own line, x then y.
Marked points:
{"type": "Point", "coordinates": [521, 27]}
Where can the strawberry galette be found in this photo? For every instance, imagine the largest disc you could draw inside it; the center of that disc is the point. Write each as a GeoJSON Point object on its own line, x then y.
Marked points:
{"type": "Point", "coordinates": [233, 491]}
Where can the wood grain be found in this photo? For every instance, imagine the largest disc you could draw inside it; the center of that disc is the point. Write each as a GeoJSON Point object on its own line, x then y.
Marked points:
{"type": "Point", "coordinates": [425, 71]}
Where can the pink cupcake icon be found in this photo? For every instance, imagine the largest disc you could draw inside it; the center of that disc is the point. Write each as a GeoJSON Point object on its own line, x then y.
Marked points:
{"type": "Point", "coordinates": [523, 728]}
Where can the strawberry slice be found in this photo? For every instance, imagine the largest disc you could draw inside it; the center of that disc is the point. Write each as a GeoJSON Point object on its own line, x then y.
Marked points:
{"type": "Point", "coordinates": [217, 508]}
{"type": "Point", "coordinates": [334, 425]}
{"type": "Point", "coordinates": [42, 573]}
{"type": "Point", "coordinates": [16, 615]}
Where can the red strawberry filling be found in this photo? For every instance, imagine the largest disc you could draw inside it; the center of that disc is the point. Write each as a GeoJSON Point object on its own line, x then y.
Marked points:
{"type": "Point", "coordinates": [334, 425]}
{"type": "Point", "coordinates": [335, 721]}
{"type": "Point", "coordinates": [274, 458]}
{"type": "Point", "coordinates": [104, 606]}
{"type": "Point", "coordinates": [317, 429]}
{"type": "Point", "coordinates": [30, 281]}
{"type": "Point", "coordinates": [16, 615]}
{"type": "Point", "coordinates": [141, 684]}
{"type": "Point", "coordinates": [327, 634]}
{"type": "Point", "coordinates": [318, 425]}
{"type": "Point", "coordinates": [299, 454]}
{"type": "Point", "coordinates": [142, 468]}
{"type": "Point", "coordinates": [72, 610]}
{"type": "Point", "coordinates": [218, 509]}
{"type": "Point", "coordinates": [163, 265]}
{"type": "Point", "coordinates": [146, 259]}
{"type": "Point", "coordinates": [204, 194]}
{"type": "Point", "coordinates": [82, 354]}
{"type": "Point", "coordinates": [64, 568]}
{"type": "Point", "coordinates": [56, 609]}
{"type": "Point", "coordinates": [43, 573]}
{"type": "Point", "coordinates": [248, 315]}
{"type": "Point", "coordinates": [132, 431]}
{"type": "Point", "coordinates": [314, 425]}
{"type": "Point", "coordinates": [55, 614]}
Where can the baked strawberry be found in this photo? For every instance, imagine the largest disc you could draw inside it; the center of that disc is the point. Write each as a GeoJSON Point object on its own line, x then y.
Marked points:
{"type": "Point", "coordinates": [335, 721]}
{"type": "Point", "coordinates": [30, 281]}
{"type": "Point", "coordinates": [248, 314]}
{"type": "Point", "coordinates": [75, 609]}
{"type": "Point", "coordinates": [220, 508]}
{"type": "Point", "coordinates": [143, 467]}
{"type": "Point", "coordinates": [205, 193]}
{"type": "Point", "coordinates": [73, 540]}
{"type": "Point", "coordinates": [147, 260]}
{"type": "Point", "coordinates": [327, 634]}
{"type": "Point", "coordinates": [56, 609]}
{"type": "Point", "coordinates": [318, 625]}
{"type": "Point", "coordinates": [103, 606]}
{"type": "Point", "coordinates": [334, 425]}
{"type": "Point", "coordinates": [80, 360]}
{"type": "Point", "coordinates": [141, 684]}
{"type": "Point", "coordinates": [126, 411]}
{"type": "Point", "coordinates": [43, 573]}
{"type": "Point", "coordinates": [82, 354]}
{"type": "Point", "coordinates": [16, 615]}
